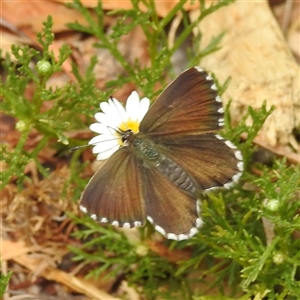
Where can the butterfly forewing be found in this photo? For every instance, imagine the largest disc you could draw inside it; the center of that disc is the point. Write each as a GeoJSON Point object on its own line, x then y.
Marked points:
{"type": "Point", "coordinates": [114, 193]}
{"type": "Point", "coordinates": [183, 122]}
{"type": "Point", "coordinates": [190, 104]}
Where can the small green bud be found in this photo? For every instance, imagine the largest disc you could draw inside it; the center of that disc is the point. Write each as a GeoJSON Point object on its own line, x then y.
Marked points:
{"type": "Point", "coordinates": [141, 250]}
{"type": "Point", "coordinates": [21, 126]}
{"type": "Point", "coordinates": [43, 67]}
{"type": "Point", "coordinates": [278, 258]}
{"type": "Point", "coordinates": [273, 205]}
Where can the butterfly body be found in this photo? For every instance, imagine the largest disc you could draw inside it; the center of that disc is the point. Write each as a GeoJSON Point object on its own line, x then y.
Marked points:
{"type": "Point", "coordinates": [161, 171]}
{"type": "Point", "coordinates": [151, 155]}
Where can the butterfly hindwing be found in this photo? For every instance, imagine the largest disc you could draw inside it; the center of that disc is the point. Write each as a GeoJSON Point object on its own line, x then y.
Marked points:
{"type": "Point", "coordinates": [114, 194]}
{"type": "Point", "coordinates": [210, 159]}
{"type": "Point", "coordinates": [173, 212]}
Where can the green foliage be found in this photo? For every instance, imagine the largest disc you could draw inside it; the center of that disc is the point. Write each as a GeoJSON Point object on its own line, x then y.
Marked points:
{"type": "Point", "coordinates": [4, 280]}
{"type": "Point", "coordinates": [31, 70]}
{"type": "Point", "coordinates": [231, 253]}
{"type": "Point", "coordinates": [49, 111]}
{"type": "Point", "coordinates": [154, 28]}
{"type": "Point", "coordinates": [257, 118]}
{"type": "Point", "coordinates": [114, 254]}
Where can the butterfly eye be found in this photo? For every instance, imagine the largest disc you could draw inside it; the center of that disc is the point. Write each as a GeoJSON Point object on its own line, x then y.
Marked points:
{"type": "Point", "coordinates": [126, 136]}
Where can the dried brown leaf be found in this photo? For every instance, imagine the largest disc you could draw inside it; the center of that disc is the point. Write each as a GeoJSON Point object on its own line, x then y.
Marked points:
{"type": "Point", "coordinates": [255, 55]}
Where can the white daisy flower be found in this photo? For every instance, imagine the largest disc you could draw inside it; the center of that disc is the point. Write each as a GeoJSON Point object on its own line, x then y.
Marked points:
{"type": "Point", "coordinates": [114, 119]}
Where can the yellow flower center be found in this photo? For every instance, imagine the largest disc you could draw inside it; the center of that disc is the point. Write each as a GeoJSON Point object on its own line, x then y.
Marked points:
{"type": "Point", "coordinates": [129, 124]}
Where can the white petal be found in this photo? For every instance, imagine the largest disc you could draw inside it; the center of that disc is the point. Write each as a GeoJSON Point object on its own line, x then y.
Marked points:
{"type": "Point", "coordinates": [101, 128]}
{"type": "Point", "coordinates": [111, 113]}
{"type": "Point", "coordinates": [103, 146]}
{"type": "Point", "coordinates": [102, 118]}
{"type": "Point", "coordinates": [106, 154]}
{"type": "Point", "coordinates": [95, 140]}
{"type": "Point", "coordinates": [132, 106]}
{"type": "Point", "coordinates": [107, 110]}
{"type": "Point", "coordinates": [120, 109]}
{"type": "Point", "coordinates": [102, 139]}
{"type": "Point", "coordinates": [144, 107]}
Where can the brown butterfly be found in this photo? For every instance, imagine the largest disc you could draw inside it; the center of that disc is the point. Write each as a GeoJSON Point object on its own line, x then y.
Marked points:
{"type": "Point", "coordinates": [160, 164]}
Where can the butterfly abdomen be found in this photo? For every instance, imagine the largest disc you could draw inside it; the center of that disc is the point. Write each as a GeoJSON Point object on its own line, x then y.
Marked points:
{"type": "Point", "coordinates": [148, 153]}
{"type": "Point", "coordinates": [176, 174]}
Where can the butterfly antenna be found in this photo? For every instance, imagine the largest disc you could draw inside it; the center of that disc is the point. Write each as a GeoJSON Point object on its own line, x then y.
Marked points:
{"type": "Point", "coordinates": [94, 144]}
{"type": "Point", "coordinates": [118, 130]}
{"type": "Point", "coordinates": [79, 147]}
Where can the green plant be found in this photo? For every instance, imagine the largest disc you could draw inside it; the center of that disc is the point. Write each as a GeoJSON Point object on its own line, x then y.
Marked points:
{"type": "Point", "coordinates": [154, 30]}
{"type": "Point", "coordinates": [231, 251]}
{"type": "Point", "coordinates": [33, 116]}
{"type": "Point", "coordinates": [4, 280]}
{"type": "Point", "coordinates": [72, 101]}
{"type": "Point", "coordinates": [231, 243]}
